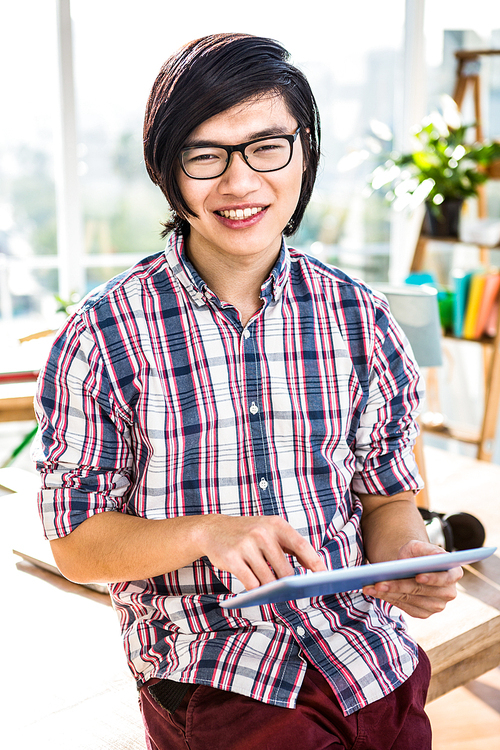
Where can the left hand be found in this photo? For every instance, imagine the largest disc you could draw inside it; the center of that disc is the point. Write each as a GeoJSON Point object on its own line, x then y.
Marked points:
{"type": "Point", "coordinates": [423, 595]}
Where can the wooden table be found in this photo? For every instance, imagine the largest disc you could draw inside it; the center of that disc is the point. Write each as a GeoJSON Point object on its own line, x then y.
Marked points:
{"type": "Point", "coordinates": [67, 684]}
{"type": "Point", "coordinates": [66, 660]}
{"type": "Point", "coordinates": [16, 402]}
{"type": "Point", "coordinates": [17, 390]}
{"type": "Point", "coordinates": [463, 642]}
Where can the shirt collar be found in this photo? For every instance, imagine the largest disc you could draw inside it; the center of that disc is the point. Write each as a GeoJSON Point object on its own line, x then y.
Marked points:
{"type": "Point", "coordinates": [197, 289]}
{"type": "Point", "coordinates": [273, 287]}
{"type": "Point", "coordinates": [183, 270]}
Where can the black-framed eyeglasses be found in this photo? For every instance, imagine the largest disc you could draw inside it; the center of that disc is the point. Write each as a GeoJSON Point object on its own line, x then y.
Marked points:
{"type": "Point", "coordinates": [267, 154]}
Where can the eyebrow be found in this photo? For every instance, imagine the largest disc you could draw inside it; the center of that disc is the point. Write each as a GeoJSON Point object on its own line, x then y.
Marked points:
{"type": "Point", "coordinates": [277, 130]}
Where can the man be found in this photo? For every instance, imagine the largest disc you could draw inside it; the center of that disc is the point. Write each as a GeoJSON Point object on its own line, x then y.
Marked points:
{"type": "Point", "coordinates": [232, 411]}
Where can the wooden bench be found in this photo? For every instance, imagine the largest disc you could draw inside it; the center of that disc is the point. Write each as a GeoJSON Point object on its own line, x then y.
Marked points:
{"type": "Point", "coordinates": [463, 642]}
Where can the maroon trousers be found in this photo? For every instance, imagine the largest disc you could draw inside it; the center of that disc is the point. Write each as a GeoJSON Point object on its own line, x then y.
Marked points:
{"type": "Point", "coordinates": [211, 719]}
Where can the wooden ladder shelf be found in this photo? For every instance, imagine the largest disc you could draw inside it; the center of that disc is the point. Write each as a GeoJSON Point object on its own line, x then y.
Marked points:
{"type": "Point", "coordinates": [468, 77]}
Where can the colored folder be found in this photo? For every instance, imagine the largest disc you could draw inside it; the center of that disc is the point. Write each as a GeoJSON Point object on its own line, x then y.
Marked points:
{"type": "Point", "coordinates": [461, 281]}
{"type": "Point", "coordinates": [488, 302]}
{"type": "Point", "coordinates": [476, 290]}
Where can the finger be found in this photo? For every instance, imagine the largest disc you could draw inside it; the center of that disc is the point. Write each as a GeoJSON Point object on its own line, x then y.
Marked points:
{"type": "Point", "coordinates": [274, 556]}
{"type": "Point", "coordinates": [302, 549]}
{"type": "Point", "coordinates": [247, 563]}
{"type": "Point", "coordinates": [416, 548]}
{"type": "Point", "coordinates": [414, 610]}
{"type": "Point", "coordinates": [440, 579]}
{"type": "Point", "coordinates": [415, 601]}
{"type": "Point", "coordinates": [410, 587]}
{"type": "Point", "coordinates": [413, 604]}
{"type": "Point", "coordinates": [429, 582]}
{"type": "Point", "coordinates": [262, 551]}
{"type": "Point", "coordinates": [246, 576]}
{"type": "Point", "coordinates": [276, 537]}
{"type": "Point", "coordinates": [427, 602]}
{"type": "Point", "coordinates": [314, 562]}
{"type": "Point", "coordinates": [264, 556]}
{"type": "Point", "coordinates": [256, 571]}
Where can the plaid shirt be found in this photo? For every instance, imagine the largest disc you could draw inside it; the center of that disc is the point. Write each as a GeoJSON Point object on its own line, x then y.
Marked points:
{"type": "Point", "coordinates": [156, 402]}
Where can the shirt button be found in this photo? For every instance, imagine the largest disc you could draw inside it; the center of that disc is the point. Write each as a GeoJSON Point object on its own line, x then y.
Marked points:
{"type": "Point", "coordinates": [246, 333]}
{"type": "Point", "coordinates": [263, 484]}
{"type": "Point", "coordinates": [301, 631]}
{"type": "Point", "coordinates": [254, 408]}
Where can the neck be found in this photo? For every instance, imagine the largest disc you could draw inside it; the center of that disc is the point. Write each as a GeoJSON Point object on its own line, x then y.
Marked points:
{"type": "Point", "coordinates": [234, 279]}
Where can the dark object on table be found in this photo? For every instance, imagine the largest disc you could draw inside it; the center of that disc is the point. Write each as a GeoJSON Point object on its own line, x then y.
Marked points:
{"type": "Point", "coordinates": [455, 531]}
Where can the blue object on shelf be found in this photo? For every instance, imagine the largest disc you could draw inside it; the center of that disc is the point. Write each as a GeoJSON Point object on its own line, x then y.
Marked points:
{"type": "Point", "coordinates": [421, 277]}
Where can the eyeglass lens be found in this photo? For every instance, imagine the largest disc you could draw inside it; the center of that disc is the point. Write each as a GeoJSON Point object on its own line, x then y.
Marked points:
{"type": "Point", "coordinates": [263, 156]}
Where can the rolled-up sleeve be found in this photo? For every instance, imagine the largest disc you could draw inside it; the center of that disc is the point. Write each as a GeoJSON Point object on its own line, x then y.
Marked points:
{"type": "Point", "coordinates": [83, 448]}
{"type": "Point", "coordinates": [385, 462]}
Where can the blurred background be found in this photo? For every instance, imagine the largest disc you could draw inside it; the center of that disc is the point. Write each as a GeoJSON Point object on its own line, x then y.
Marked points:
{"type": "Point", "coordinates": [77, 207]}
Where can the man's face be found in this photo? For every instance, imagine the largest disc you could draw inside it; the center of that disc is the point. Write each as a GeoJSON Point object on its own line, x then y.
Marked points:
{"type": "Point", "coordinates": [270, 197]}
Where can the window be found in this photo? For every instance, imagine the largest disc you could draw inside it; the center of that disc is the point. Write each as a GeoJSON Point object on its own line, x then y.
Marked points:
{"type": "Point", "coordinates": [118, 49]}
{"type": "Point", "coordinates": [28, 91]}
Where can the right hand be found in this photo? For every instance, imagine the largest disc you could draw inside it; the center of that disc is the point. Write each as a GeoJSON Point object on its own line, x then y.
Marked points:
{"type": "Point", "coordinates": [253, 548]}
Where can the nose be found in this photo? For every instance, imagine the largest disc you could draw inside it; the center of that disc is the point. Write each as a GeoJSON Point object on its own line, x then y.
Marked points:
{"type": "Point", "coordinates": [239, 179]}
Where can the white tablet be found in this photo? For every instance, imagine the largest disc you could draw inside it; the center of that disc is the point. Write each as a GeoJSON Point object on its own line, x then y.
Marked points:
{"type": "Point", "coordinates": [350, 579]}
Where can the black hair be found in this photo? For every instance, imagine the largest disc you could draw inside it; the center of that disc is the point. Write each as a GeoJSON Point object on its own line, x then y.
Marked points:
{"type": "Point", "coordinates": [211, 75]}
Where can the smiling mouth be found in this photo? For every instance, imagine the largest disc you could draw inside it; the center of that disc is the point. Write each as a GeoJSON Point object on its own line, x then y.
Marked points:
{"type": "Point", "coordinates": [240, 213]}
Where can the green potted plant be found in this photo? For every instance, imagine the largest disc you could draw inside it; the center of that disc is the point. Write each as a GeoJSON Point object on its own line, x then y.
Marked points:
{"type": "Point", "coordinates": [443, 169]}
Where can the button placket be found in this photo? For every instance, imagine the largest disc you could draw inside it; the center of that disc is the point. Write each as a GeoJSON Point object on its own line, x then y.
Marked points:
{"type": "Point", "coordinates": [256, 424]}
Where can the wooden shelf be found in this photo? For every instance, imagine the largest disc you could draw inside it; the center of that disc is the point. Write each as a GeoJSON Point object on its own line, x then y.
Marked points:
{"type": "Point", "coordinates": [468, 77]}
{"type": "Point", "coordinates": [472, 437]}
{"type": "Point", "coordinates": [491, 357]}
{"type": "Point", "coordinates": [487, 341]}
{"type": "Point", "coordinates": [456, 241]}
{"type": "Point", "coordinates": [423, 240]}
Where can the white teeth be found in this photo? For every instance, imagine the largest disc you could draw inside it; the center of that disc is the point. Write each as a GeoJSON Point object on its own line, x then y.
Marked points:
{"type": "Point", "coordinates": [240, 213]}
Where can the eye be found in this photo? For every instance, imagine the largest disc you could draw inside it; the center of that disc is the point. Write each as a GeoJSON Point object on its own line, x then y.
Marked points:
{"type": "Point", "coordinates": [263, 148]}
{"type": "Point", "coordinates": [200, 157]}
{"type": "Point", "coordinates": [272, 150]}
{"type": "Point", "coordinates": [269, 147]}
